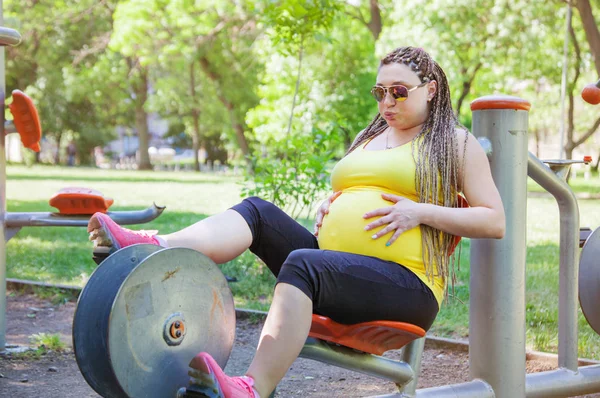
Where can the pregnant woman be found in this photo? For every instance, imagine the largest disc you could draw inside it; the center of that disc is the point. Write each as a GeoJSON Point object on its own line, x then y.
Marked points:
{"type": "Point", "coordinates": [382, 244]}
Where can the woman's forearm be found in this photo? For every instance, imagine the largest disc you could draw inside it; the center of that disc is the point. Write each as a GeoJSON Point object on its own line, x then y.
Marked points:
{"type": "Point", "coordinates": [472, 222]}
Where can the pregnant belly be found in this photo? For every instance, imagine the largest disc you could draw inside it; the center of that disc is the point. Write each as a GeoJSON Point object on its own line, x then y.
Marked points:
{"type": "Point", "coordinates": [343, 229]}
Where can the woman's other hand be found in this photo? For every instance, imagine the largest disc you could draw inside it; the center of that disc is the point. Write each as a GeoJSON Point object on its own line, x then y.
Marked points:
{"type": "Point", "coordinates": [324, 209]}
{"type": "Point", "coordinates": [401, 216]}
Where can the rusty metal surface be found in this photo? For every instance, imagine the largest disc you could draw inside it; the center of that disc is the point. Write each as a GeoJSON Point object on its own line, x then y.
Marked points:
{"type": "Point", "coordinates": [168, 285]}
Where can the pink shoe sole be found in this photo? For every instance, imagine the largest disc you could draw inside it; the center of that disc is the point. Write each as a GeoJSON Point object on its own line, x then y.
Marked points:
{"type": "Point", "coordinates": [203, 380]}
{"type": "Point", "coordinates": [104, 231]}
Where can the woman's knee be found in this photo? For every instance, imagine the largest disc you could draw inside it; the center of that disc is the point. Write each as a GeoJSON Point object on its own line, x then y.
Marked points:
{"type": "Point", "coordinates": [259, 204]}
{"type": "Point", "coordinates": [304, 259]}
{"type": "Point", "coordinates": [301, 269]}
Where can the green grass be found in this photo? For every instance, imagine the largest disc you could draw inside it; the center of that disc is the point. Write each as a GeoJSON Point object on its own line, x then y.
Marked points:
{"type": "Point", "coordinates": [47, 342]}
{"type": "Point", "coordinates": [62, 255]}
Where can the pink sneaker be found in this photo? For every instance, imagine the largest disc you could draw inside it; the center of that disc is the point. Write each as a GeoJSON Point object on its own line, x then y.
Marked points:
{"type": "Point", "coordinates": [209, 380]}
{"type": "Point", "coordinates": [108, 236]}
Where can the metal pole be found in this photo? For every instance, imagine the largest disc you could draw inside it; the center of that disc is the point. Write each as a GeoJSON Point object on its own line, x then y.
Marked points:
{"type": "Point", "coordinates": [563, 81]}
{"type": "Point", "coordinates": [569, 259]}
{"type": "Point", "coordinates": [2, 198]}
{"type": "Point", "coordinates": [471, 389]}
{"type": "Point", "coordinates": [412, 354]}
{"type": "Point", "coordinates": [564, 383]}
{"type": "Point", "coordinates": [497, 284]}
{"type": "Point", "coordinates": [344, 357]}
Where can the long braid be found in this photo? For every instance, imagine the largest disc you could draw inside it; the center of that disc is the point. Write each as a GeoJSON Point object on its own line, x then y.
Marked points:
{"type": "Point", "coordinates": [435, 152]}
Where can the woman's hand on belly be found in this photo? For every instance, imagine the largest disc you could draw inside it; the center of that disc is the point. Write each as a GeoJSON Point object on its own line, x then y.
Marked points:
{"type": "Point", "coordinates": [323, 210]}
{"type": "Point", "coordinates": [403, 215]}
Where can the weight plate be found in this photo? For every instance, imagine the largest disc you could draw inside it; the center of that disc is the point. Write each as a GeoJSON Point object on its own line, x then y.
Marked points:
{"type": "Point", "coordinates": [171, 305]}
{"type": "Point", "coordinates": [589, 280]}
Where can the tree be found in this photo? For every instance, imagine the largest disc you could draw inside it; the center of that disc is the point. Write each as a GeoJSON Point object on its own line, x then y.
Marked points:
{"type": "Point", "coordinates": [41, 65]}
{"type": "Point", "coordinates": [592, 33]}
{"type": "Point", "coordinates": [590, 26]}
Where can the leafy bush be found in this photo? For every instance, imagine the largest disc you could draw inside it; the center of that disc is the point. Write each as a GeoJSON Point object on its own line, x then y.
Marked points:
{"type": "Point", "coordinates": [293, 173]}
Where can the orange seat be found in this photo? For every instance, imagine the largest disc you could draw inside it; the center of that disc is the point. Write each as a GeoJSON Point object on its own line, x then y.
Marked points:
{"type": "Point", "coordinates": [26, 120]}
{"type": "Point", "coordinates": [374, 337]}
{"type": "Point", "coordinates": [80, 201]}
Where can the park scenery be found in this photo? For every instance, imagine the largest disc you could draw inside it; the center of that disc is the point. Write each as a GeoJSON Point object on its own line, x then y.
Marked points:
{"type": "Point", "coordinates": [195, 105]}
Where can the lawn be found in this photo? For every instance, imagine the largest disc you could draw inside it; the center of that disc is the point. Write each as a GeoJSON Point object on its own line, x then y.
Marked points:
{"type": "Point", "coordinates": [62, 255]}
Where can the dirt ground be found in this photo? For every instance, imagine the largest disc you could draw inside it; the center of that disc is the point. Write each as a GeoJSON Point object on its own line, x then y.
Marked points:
{"type": "Point", "coordinates": [56, 375]}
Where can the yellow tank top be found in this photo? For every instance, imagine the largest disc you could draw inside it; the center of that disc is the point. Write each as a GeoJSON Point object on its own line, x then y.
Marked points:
{"type": "Point", "coordinates": [362, 177]}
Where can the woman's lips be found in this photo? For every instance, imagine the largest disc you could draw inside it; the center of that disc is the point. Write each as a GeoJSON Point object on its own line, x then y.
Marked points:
{"type": "Point", "coordinates": [389, 115]}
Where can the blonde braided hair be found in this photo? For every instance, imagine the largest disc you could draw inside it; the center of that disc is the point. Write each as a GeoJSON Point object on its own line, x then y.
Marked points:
{"type": "Point", "coordinates": [435, 152]}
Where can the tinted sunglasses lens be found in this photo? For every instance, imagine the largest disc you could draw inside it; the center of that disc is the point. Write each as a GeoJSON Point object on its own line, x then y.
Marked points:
{"type": "Point", "coordinates": [399, 92]}
{"type": "Point", "coordinates": [378, 93]}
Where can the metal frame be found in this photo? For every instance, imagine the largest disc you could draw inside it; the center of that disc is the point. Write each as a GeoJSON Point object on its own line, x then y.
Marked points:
{"type": "Point", "coordinates": [7, 37]}
{"type": "Point", "coordinates": [497, 305]}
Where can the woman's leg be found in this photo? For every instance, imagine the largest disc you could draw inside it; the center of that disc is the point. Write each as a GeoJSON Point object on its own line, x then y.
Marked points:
{"type": "Point", "coordinates": [282, 337]}
{"type": "Point", "coordinates": [254, 223]}
{"type": "Point", "coordinates": [346, 287]}
{"type": "Point", "coordinates": [221, 237]}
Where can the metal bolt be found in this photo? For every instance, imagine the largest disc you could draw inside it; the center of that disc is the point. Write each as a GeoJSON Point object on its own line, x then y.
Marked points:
{"type": "Point", "coordinates": [178, 333]}
{"type": "Point", "coordinates": [177, 325]}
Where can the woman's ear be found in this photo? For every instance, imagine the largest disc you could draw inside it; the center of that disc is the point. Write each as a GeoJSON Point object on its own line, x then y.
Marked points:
{"type": "Point", "coordinates": [431, 90]}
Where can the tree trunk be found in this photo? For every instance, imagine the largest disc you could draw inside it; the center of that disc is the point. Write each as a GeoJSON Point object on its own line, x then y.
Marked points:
{"type": "Point", "coordinates": [466, 86]}
{"type": "Point", "coordinates": [591, 29]}
{"type": "Point", "coordinates": [346, 137]}
{"type": "Point", "coordinates": [375, 25]}
{"type": "Point", "coordinates": [58, 138]}
{"type": "Point", "coordinates": [195, 119]}
{"type": "Point", "coordinates": [141, 121]}
{"type": "Point", "coordinates": [196, 138]}
{"type": "Point", "coordinates": [237, 126]}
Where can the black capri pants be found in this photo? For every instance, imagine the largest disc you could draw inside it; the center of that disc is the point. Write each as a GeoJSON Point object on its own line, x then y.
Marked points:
{"type": "Point", "coordinates": [348, 288]}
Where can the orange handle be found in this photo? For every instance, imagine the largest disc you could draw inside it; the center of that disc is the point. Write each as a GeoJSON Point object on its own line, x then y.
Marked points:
{"type": "Point", "coordinates": [26, 119]}
{"type": "Point", "coordinates": [591, 93]}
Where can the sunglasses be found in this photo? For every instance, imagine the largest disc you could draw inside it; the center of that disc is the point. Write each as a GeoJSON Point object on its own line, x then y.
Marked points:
{"type": "Point", "coordinates": [399, 92]}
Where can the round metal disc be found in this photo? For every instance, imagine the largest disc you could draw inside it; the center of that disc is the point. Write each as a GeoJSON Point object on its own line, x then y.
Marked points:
{"type": "Point", "coordinates": [589, 280]}
{"type": "Point", "coordinates": [172, 305]}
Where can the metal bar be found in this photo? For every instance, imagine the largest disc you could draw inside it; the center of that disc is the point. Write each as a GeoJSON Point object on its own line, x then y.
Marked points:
{"type": "Point", "coordinates": [43, 219]}
{"type": "Point", "coordinates": [563, 383]}
{"type": "Point", "coordinates": [347, 358]}
{"type": "Point", "coordinates": [2, 198]}
{"type": "Point", "coordinates": [8, 36]}
{"type": "Point", "coordinates": [569, 259]}
{"type": "Point", "coordinates": [471, 389]}
{"type": "Point", "coordinates": [9, 127]}
{"type": "Point", "coordinates": [497, 282]}
{"type": "Point", "coordinates": [412, 354]}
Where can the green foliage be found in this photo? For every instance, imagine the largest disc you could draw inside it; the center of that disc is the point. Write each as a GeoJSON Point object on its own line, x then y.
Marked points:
{"type": "Point", "coordinates": [293, 173]}
{"type": "Point", "coordinates": [45, 342]}
{"type": "Point", "coordinates": [54, 35]}
{"type": "Point", "coordinates": [293, 21]}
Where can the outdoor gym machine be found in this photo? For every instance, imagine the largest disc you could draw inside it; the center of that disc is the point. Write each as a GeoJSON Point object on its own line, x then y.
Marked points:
{"type": "Point", "coordinates": [147, 311]}
{"type": "Point", "coordinates": [76, 205]}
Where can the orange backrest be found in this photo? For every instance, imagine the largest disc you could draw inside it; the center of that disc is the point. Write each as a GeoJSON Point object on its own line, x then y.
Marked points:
{"type": "Point", "coordinates": [26, 119]}
{"type": "Point", "coordinates": [374, 337]}
{"type": "Point", "coordinates": [76, 200]}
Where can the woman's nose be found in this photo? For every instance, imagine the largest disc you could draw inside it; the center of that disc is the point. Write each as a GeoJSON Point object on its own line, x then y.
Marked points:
{"type": "Point", "coordinates": [389, 100]}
